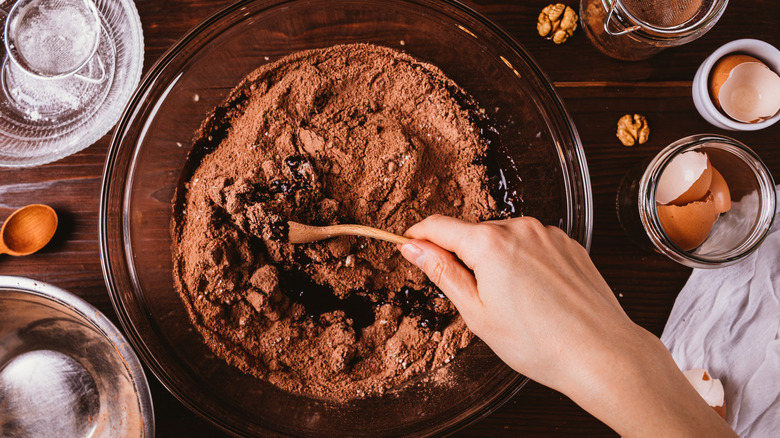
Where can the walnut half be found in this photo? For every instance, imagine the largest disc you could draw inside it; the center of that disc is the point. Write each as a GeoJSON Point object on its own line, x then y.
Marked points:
{"type": "Point", "coordinates": [557, 22]}
{"type": "Point", "coordinates": [633, 130]}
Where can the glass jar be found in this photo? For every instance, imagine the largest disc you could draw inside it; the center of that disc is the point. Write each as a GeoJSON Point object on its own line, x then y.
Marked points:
{"type": "Point", "coordinates": [632, 30]}
{"type": "Point", "coordinates": [735, 235]}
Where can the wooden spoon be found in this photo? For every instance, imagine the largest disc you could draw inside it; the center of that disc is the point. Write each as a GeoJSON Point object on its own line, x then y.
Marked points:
{"type": "Point", "coordinates": [300, 233]}
{"type": "Point", "coordinates": [27, 230]}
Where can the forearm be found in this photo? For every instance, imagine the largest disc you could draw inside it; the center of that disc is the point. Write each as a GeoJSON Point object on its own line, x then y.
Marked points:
{"type": "Point", "coordinates": [639, 391]}
{"type": "Point", "coordinates": [535, 297]}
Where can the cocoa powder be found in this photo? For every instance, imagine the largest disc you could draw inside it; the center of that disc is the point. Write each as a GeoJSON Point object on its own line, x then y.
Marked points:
{"type": "Point", "coordinates": [347, 134]}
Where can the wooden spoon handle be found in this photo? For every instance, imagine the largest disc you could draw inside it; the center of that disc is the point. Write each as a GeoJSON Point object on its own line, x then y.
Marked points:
{"type": "Point", "coordinates": [300, 233]}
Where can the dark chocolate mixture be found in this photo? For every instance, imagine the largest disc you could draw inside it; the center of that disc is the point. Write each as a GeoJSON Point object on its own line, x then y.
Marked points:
{"type": "Point", "coordinates": [348, 134]}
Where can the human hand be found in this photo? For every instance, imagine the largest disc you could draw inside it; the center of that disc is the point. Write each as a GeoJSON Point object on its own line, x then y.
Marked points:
{"type": "Point", "coordinates": [533, 295]}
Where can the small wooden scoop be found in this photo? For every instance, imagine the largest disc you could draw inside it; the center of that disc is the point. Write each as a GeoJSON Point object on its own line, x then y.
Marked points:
{"type": "Point", "coordinates": [27, 230]}
{"type": "Point", "coordinates": [300, 233]}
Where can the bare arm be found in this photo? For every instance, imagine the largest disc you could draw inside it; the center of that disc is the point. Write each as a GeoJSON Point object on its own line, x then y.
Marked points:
{"type": "Point", "coordinates": [534, 296]}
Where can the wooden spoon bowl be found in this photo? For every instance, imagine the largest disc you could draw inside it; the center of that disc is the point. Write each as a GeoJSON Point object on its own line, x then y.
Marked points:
{"type": "Point", "coordinates": [28, 230]}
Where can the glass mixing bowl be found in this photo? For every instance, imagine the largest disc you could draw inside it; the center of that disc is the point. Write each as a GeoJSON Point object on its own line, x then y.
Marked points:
{"type": "Point", "coordinates": [150, 148]}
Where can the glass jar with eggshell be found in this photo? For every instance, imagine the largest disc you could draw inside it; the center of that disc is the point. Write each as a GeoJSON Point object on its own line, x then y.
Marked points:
{"type": "Point", "coordinates": [705, 201]}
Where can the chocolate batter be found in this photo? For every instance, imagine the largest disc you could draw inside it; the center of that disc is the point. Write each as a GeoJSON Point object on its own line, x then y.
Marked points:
{"type": "Point", "coordinates": [348, 134]}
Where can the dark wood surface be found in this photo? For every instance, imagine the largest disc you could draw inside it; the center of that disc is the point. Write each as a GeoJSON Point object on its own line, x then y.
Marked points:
{"type": "Point", "coordinates": [596, 90]}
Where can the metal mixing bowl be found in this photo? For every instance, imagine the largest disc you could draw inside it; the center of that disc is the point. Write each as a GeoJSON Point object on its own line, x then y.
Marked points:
{"type": "Point", "coordinates": [65, 369]}
{"type": "Point", "coordinates": [150, 148]}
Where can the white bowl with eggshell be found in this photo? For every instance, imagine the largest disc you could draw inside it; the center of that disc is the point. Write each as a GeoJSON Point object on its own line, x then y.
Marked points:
{"type": "Point", "coordinates": [712, 75]}
{"type": "Point", "coordinates": [729, 216]}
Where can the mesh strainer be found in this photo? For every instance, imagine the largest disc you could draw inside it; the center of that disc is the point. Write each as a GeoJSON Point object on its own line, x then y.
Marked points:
{"type": "Point", "coordinates": [667, 14]}
{"type": "Point", "coordinates": [52, 38]}
{"type": "Point", "coordinates": [662, 22]}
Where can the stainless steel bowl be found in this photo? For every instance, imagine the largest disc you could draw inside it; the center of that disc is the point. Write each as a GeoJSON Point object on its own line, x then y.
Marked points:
{"type": "Point", "coordinates": [65, 369]}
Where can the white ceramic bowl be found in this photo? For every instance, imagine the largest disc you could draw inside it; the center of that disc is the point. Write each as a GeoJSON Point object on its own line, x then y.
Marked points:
{"type": "Point", "coordinates": [761, 50]}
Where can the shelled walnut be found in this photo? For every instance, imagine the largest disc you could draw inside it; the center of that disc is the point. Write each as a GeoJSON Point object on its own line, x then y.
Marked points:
{"type": "Point", "coordinates": [633, 130]}
{"type": "Point", "coordinates": [557, 22]}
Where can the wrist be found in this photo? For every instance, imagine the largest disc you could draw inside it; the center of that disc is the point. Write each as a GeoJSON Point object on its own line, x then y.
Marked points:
{"type": "Point", "coordinates": [637, 389]}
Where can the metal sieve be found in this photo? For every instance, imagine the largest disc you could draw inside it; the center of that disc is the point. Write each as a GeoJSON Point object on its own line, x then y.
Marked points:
{"type": "Point", "coordinates": [662, 22]}
{"type": "Point", "coordinates": [52, 38]}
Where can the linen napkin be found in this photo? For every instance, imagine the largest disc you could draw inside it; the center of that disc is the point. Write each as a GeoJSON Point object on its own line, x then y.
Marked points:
{"type": "Point", "coordinates": [727, 321]}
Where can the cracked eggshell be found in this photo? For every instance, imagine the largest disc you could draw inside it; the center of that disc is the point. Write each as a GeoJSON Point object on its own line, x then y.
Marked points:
{"type": "Point", "coordinates": [745, 89]}
{"type": "Point", "coordinates": [688, 225]}
{"type": "Point", "coordinates": [721, 71]}
{"type": "Point", "coordinates": [711, 390]}
{"type": "Point", "coordinates": [687, 178]}
{"type": "Point", "coordinates": [720, 191]}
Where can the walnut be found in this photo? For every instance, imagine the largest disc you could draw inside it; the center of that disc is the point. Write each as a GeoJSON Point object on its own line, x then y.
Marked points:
{"type": "Point", "coordinates": [632, 130]}
{"type": "Point", "coordinates": [557, 22]}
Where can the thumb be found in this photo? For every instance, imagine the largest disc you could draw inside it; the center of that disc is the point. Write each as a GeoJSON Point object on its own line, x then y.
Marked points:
{"type": "Point", "coordinates": [445, 270]}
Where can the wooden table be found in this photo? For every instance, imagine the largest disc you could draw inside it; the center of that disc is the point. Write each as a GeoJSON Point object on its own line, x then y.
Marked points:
{"type": "Point", "coordinates": [597, 91]}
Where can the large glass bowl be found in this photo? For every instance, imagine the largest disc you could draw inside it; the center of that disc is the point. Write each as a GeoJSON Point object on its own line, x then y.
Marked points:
{"type": "Point", "coordinates": [150, 148]}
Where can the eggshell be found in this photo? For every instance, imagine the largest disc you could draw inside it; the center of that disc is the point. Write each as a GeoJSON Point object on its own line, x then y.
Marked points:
{"type": "Point", "coordinates": [688, 225]}
{"type": "Point", "coordinates": [687, 178]}
{"type": "Point", "coordinates": [698, 189]}
{"type": "Point", "coordinates": [721, 71]}
{"type": "Point", "coordinates": [751, 93]}
{"type": "Point", "coordinates": [720, 191]}
{"type": "Point", "coordinates": [720, 410]}
{"type": "Point", "coordinates": [711, 390]}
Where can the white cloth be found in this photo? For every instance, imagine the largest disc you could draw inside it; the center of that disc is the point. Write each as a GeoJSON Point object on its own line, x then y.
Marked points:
{"type": "Point", "coordinates": [727, 321]}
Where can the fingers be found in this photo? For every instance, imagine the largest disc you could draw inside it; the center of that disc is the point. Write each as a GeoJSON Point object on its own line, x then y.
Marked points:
{"type": "Point", "coordinates": [446, 271]}
{"type": "Point", "coordinates": [447, 232]}
{"type": "Point", "coordinates": [476, 245]}
{"type": "Point", "coordinates": [454, 235]}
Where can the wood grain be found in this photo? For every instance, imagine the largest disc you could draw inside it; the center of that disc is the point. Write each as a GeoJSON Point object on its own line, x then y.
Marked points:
{"type": "Point", "coordinates": [596, 91]}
